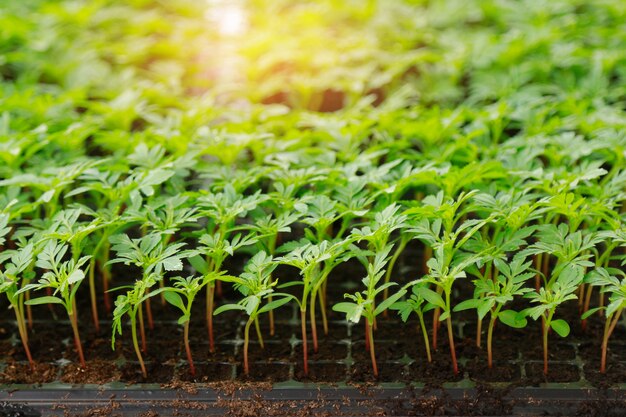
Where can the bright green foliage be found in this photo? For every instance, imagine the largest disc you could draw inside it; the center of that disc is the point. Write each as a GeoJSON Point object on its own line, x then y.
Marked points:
{"type": "Point", "coordinates": [481, 140]}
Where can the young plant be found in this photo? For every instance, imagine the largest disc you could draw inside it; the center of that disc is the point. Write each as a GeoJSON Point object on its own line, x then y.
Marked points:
{"type": "Point", "coordinates": [417, 303]}
{"type": "Point", "coordinates": [188, 288]}
{"type": "Point", "coordinates": [268, 230]}
{"type": "Point", "coordinates": [64, 277]}
{"type": "Point", "coordinates": [221, 210]}
{"type": "Point", "coordinates": [215, 248]}
{"type": "Point", "coordinates": [493, 293]}
{"type": "Point", "coordinates": [555, 292]}
{"type": "Point", "coordinates": [154, 258]}
{"type": "Point", "coordinates": [130, 304]}
{"type": "Point", "coordinates": [66, 227]}
{"type": "Point", "coordinates": [364, 303]}
{"type": "Point", "coordinates": [308, 258]}
{"type": "Point", "coordinates": [616, 289]}
{"type": "Point", "coordinates": [16, 273]}
{"type": "Point", "coordinates": [256, 285]}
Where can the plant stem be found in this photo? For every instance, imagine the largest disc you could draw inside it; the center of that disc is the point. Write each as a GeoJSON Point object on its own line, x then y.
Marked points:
{"type": "Point", "coordinates": [258, 332]}
{"type": "Point", "coordinates": [425, 335]}
{"type": "Point", "coordinates": [322, 303]}
{"type": "Point", "coordinates": [455, 366]}
{"type": "Point", "coordinates": [192, 368]}
{"type": "Point", "coordinates": [133, 329]}
{"type": "Point", "coordinates": [305, 353]}
{"type": "Point", "coordinates": [21, 326]}
{"type": "Point", "coordinates": [313, 322]}
{"type": "Point", "coordinates": [436, 314]}
{"type": "Point", "coordinates": [92, 294]}
{"type": "Point", "coordinates": [370, 336]}
{"type": "Point", "coordinates": [106, 277]}
{"type": "Point", "coordinates": [545, 324]}
{"type": "Point", "coordinates": [392, 263]}
{"type": "Point", "coordinates": [538, 261]}
{"type": "Point", "coordinates": [29, 311]}
{"type": "Point", "coordinates": [142, 331]}
{"type": "Point", "coordinates": [246, 342]}
{"type": "Point", "coordinates": [210, 295]}
{"type": "Point", "coordinates": [479, 332]}
{"type": "Point", "coordinates": [586, 305]}
{"type": "Point", "coordinates": [492, 322]}
{"type": "Point", "coordinates": [149, 314]}
{"type": "Point", "coordinates": [79, 346]}
{"type": "Point", "coordinates": [609, 326]}
{"type": "Point", "coordinates": [271, 317]}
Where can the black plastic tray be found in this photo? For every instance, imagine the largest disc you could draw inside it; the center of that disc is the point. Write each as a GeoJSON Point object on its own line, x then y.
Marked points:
{"type": "Point", "coordinates": [311, 401]}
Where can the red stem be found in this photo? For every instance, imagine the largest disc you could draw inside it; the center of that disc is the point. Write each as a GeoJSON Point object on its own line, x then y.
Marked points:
{"type": "Point", "coordinates": [79, 347]}
{"type": "Point", "coordinates": [210, 296]}
{"type": "Point", "coordinates": [305, 353]}
{"type": "Point", "coordinates": [149, 314]}
{"type": "Point", "coordinates": [192, 368]}
{"type": "Point", "coordinates": [455, 365]}
{"type": "Point", "coordinates": [370, 336]}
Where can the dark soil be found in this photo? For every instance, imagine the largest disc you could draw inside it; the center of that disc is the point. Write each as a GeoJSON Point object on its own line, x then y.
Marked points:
{"type": "Point", "coordinates": [20, 373]}
{"type": "Point", "coordinates": [557, 372]}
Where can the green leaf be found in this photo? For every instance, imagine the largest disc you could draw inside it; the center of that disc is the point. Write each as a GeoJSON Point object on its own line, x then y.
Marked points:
{"type": "Point", "coordinates": [43, 300]}
{"type": "Point", "coordinates": [590, 312]}
{"type": "Point", "coordinates": [275, 304]}
{"type": "Point", "coordinates": [353, 311]}
{"type": "Point", "coordinates": [172, 264]}
{"type": "Point", "coordinates": [228, 307]}
{"type": "Point", "coordinates": [431, 296]}
{"type": "Point", "coordinates": [199, 264]}
{"type": "Point", "coordinates": [384, 305]}
{"type": "Point", "coordinates": [76, 276]}
{"type": "Point", "coordinates": [560, 326]}
{"type": "Point", "coordinates": [174, 299]}
{"type": "Point", "coordinates": [512, 319]}
{"type": "Point", "coordinates": [467, 304]}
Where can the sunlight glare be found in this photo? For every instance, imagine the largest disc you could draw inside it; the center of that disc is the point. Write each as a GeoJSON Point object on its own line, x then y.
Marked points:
{"type": "Point", "coordinates": [229, 16]}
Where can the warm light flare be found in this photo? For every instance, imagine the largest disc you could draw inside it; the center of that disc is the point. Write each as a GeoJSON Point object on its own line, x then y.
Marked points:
{"type": "Point", "coordinates": [229, 16]}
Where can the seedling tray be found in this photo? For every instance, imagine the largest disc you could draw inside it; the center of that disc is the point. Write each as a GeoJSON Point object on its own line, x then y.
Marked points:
{"type": "Point", "coordinates": [310, 400]}
{"type": "Point", "coordinates": [220, 388]}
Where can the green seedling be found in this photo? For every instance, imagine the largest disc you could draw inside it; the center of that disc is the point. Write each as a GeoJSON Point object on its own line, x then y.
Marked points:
{"type": "Point", "coordinates": [256, 285]}
{"type": "Point", "coordinates": [493, 293]}
{"type": "Point", "coordinates": [188, 288]}
{"type": "Point", "coordinates": [616, 290]}
{"type": "Point", "coordinates": [418, 304]}
{"type": "Point", "coordinates": [363, 304]}
{"type": "Point", "coordinates": [154, 258]}
{"type": "Point", "coordinates": [64, 277]}
{"type": "Point", "coordinates": [557, 290]}
{"type": "Point", "coordinates": [17, 272]}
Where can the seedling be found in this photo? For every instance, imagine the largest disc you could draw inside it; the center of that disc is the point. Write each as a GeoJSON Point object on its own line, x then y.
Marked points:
{"type": "Point", "coordinates": [256, 285]}
{"type": "Point", "coordinates": [556, 291]}
{"type": "Point", "coordinates": [15, 274]}
{"type": "Point", "coordinates": [493, 293]}
{"type": "Point", "coordinates": [64, 277]}
{"type": "Point", "coordinates": [154, 258]}
{"type": "Point", "coordinates": [417, 303]}
{"type": "Point", "coordinates": [616, 289]}
{"type": "Point", "coordinates": [364, 303]}
{"type": "Point", "coordinates": [187, 287]}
